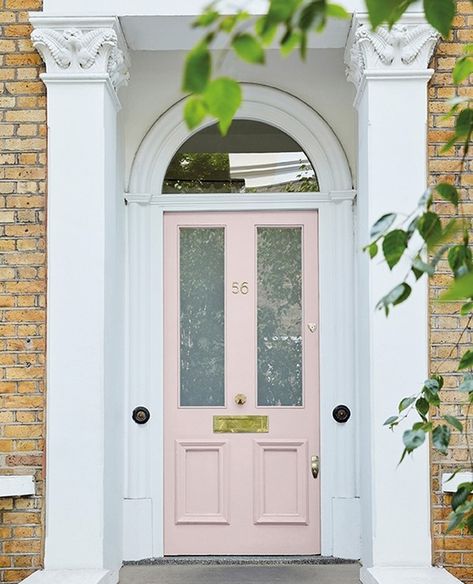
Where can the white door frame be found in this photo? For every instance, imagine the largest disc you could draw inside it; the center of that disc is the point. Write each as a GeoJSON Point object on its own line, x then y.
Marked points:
{"type": "Point", "coordinates": [143, 517]}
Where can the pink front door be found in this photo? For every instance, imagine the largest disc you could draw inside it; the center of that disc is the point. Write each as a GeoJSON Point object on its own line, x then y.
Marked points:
{"type": "Point", "coordinates": [241, 383]}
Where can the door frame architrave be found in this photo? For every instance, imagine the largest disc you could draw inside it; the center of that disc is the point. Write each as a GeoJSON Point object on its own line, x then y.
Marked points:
{"type": "Point", "coordinates": [144, 497]}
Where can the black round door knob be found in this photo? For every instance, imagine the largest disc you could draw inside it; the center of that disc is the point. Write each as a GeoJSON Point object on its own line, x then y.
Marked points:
{"type": "Point", "coordinates": [141, 415]}
{"type": "Point", "coordinates": [341, 414]}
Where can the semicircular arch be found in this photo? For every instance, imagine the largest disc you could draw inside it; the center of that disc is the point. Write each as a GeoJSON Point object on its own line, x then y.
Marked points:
{"type": "Point", "coordinates": [260, 103]}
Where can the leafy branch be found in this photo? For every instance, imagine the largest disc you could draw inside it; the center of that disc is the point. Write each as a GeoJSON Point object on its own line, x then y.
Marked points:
{"type": "Point", "coordinates": [421, 241]}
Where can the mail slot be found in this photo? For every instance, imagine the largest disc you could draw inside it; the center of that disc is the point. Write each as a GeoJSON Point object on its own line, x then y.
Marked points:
{"type": "Point", "coordinates": [241, 424]}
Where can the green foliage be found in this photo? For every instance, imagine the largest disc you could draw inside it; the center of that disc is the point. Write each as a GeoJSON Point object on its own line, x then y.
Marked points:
{"type": "Point", "coordinates": [420, 241]}
{"type": "Point", "coordinates": [394, 246]}
{"type": "Point", "coordinates": [197, 69]}
{"type": "Point", "coordinates": [448, 192]}
{"type": "Point", "coordinates": [248, 48]}
{"type": "Point", "coordinates": [440, 14]}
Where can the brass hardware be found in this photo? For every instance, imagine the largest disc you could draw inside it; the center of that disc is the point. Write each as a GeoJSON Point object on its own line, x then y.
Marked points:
{"type": "Point", "coordinates": [240, 288]}
{"type": "Point", "coordinates": [312, 327]}
{"type": "Point", "coordinates": [240, 399]}
{"type": "Point", "coordinates": [241, 424]}
{"type": "Point", "coordinates": [315, 466]}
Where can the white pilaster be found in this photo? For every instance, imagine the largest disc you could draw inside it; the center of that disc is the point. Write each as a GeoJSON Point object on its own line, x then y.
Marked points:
{"type": "Point", "coordinates": [85, 62]}
{"type": "Point", "coordinates": [389, 70]}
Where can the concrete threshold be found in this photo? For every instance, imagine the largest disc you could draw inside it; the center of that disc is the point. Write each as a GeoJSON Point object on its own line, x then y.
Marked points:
{"type": "Point", "coordinates": [246, 573]}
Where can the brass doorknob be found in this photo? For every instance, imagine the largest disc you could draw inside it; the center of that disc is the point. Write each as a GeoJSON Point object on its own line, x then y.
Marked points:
{"type": "Point", "coordinates": [240, 399]}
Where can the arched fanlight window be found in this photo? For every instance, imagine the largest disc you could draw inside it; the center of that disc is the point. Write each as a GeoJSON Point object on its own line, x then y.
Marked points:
{"type": "Point", "coordinates": [253, 157]}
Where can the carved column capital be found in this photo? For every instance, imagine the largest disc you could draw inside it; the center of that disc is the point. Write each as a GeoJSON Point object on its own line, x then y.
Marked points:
{"type": "Point", "coordinates": [406, 48]}
{"type": "Point", "coordinates": [76, 51]}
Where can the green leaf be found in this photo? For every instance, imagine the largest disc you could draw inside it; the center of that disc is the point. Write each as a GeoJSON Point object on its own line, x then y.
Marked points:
{"type": "Point", "coordinates": [265, 31]}
{"type": "Point", "coordinates": [462, 70]}
{"type": "Point", "coordinates": [248, 48]}
{"type": "Point", "coordinates": [197, 69]}
{"type": "Point", "coordinates": [448, 192]}
{"type": "Point", "coordinates": [312, 14]}
{"type": "Point", "coordinates": [467, 384]}
{"type": "Point", "coordinates": [223, 98]}
{"type": "Point", "coordinates": [289, 43]}
{"type": "Point", "coordinates": [429, 227]}
{"type": "Point", "coordinates": [461, 289]}
{"type": "Point", "coordinates": [432, 384]}
{"type": "Point", "coordinates": [466, 361]}
{"type": "Point", "coordinates": [194, 111]}
{"type": "Point", "coordinates": [394, 246]}
{"type": "Point", "coordinates": [455, 422]}
{"type": "Point", "coordinates": [413, 439]}
{"type": "Point", "coordinates": [397, 295]}
{"type": "Point", "coordinates": [386, 10]}
{"type": "Point", "coordinates": [373, 249]}
{"type": "Point", "coordinates": [281, 11]}
{"type": "Point", "coordinates": [464, 123]}
{"type": "Point", "coordinates": [390, 421]}
{"type": "Point", "coordinates": [460, 260]}
{"type": "Point", "coordinates": [336, 11]}
{"type": "Point", "coordinates": [455, 519]}
{"type": "Point", "coordinates": [441, 438]}
{"type": "Point", "coordinates": [426, 199]}
{"type": "Point", "coordinates": [432, 397]}
{"type": "Point", "coordinates": [382, 225]}
{"type": "Point", "coordinates": [405, 403]}
{"type": "Point", "coordinates": [466, 308]}
{"type": "Point", "coordinates": [206, 18]}
{"type": "Point", "coordinates": [440, 14]}
{"type": "Point", "coordinates": [422, 266]}
{"type": "Point", "coordinates": [422, 406]}
{"type": "Point", "coordinates": [461, 495]}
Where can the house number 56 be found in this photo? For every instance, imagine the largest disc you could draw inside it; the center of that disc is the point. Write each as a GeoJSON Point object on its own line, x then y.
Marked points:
{"type": "Point", "coordinates": [240, 288]}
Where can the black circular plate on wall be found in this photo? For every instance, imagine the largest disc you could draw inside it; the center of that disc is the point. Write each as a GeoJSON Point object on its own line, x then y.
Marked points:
{"type": "Point", "coordinates": [341, 414]}
{"type": "Point", "coordinates": [141, 415]}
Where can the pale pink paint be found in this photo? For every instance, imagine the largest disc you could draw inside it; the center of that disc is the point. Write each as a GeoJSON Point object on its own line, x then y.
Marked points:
{"type": "Point", "coordinates": [241, 494]}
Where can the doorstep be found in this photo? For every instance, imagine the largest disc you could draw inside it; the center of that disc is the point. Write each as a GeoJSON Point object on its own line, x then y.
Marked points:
{"type": "Point", "coordinates": [73, 577]}
{"type": "Point", "coordinates": [400, 575]}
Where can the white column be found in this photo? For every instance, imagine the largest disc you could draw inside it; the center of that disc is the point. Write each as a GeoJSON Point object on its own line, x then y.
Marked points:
{"type": "Point", "coordinates": [389, 70]}
{"type": "Point", "coordinates": [85, 63]}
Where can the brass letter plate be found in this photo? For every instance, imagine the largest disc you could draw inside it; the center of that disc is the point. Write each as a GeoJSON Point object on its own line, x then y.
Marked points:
{"type": "Point", "coordinates": [241, 424]}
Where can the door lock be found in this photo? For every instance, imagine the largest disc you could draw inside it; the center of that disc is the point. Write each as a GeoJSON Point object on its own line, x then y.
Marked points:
{"type": "Point", "coordinates": [240, 399]}
{"type": "Point", "coordinates": [315, 466]}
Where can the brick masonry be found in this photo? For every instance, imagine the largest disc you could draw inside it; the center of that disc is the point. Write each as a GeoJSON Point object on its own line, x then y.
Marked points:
{"type": "Point", "coordinates": [22, 286]}
{"type": "Point", "coordinates": [454, 551]}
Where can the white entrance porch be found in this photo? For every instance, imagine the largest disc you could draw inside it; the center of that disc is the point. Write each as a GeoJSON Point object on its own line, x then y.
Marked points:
{"type": "Point", "coordinates": [106, 169]}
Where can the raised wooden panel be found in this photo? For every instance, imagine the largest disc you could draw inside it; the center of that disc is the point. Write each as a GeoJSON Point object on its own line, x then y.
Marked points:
{"type": "Point", "coordinates": [280, 488]}
{"type": "Point", "coordinates": [201, 482]}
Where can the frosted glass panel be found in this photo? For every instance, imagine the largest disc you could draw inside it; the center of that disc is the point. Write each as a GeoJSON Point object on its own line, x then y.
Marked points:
{"type": "Point", "coordinates": [279, 263]}
{"type": "Point", "coordinates": [202, 358]}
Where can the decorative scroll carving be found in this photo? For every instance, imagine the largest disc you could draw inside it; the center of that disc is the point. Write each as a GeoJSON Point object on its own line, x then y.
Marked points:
{"type": "Point", "coordinates": [405, 46]}
{"type": "Point", "coordinates": [75, 51]}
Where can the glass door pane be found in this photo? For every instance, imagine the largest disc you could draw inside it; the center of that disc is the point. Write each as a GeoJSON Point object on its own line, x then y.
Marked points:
{"type": "Point", "coordinates": [202, 306]}
{"type": "Point", "coordinates": [279, 316]}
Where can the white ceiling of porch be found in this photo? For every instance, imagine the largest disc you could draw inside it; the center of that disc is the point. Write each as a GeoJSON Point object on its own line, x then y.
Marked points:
{"type": "Point", "coordinates": [170, 33]}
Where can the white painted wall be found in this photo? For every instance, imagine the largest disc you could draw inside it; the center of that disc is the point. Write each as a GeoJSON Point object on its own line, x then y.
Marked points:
{"type": "Point", "coordinates": [320, 82]}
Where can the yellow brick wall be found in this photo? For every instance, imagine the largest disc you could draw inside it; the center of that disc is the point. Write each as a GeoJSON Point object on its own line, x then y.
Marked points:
{"type": "Point", "coordinates": [454, 551]}
{"type": "Point", "coordinates": [22, 286]}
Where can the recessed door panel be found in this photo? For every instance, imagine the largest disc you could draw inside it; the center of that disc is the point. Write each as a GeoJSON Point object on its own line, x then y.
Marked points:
{"type": "Point", "coordinates": [241, 383]}
{"type": "Point", "coordinates": [201, 482]}
{"type": "Point", "coordinates": [280, 493]}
